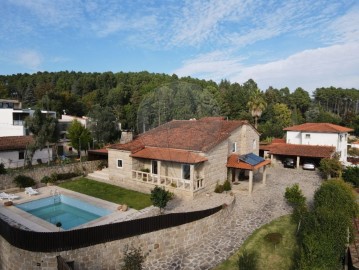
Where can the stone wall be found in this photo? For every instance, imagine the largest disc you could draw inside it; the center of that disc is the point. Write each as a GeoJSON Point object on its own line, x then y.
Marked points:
{"type": "Point", "coordinates": [37, 173]}
{"type": "Point", "coordinates": [155, 245]}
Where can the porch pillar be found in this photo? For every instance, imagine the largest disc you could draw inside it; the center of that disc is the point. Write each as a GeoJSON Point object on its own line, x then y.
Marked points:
{"type": "Point", "coordinates": [191, 176]}
{"type": "Point", "coordinates": [264, 176]}
{"type": "Point", "coordinates": [298, 160]}
{"type": "Point", "coordinates": [250, 187]}
{"type": "Point", "coordinates": [159, 171]}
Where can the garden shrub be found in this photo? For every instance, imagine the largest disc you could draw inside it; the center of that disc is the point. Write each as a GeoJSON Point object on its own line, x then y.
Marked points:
{"type": "Point", "coordinates": [227, 186]}
{"type": "Point", "coordinates": [247, 260]}
{"type": "Point", "coordinates": [46, 179]}
{"type": "Point", "coordinates": [296, 199]}
{"type": "Point", "coordinates": [133, 259]}
{"type": "Point", "coordinates": [324, 231]}
{"type": "Point", "coordinates": [2, 169]}
{"type": "Point", "coordinates": [160, 197]}
{"type": "Point", "coordinates": [219, 188]}
{"type": "Point", "coordinates": [330, 167]}
{"type": "Point", "coordinates": [351, 175]}
{"type": "Point", "coordinates": [23, 181]}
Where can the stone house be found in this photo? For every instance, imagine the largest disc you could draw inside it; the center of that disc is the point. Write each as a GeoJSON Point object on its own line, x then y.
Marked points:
{"type": "Point", "coordinates": [188, 157]}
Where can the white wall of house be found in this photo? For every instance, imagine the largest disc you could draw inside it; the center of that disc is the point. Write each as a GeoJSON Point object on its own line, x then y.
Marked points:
{"type": "Point", "coordinates": [7, 127]}
{"type": "Point", "coordinates": [12, 159]}
{"type": "Point", "coordinates": [338, 140]}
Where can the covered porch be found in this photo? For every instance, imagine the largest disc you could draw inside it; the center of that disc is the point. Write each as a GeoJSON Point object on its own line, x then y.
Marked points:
{"type": "Point", "coordinates": [250, 163]}
{"type": "Point", "coordinates": [174, 168]}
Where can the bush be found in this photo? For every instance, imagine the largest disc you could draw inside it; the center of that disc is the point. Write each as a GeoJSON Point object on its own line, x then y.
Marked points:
{"type": "Point", "coordinates": [296, 199]}
{"type": "Point", "coordinates": [133, 259]}
{"type": "Point", "coordinates": [324, 232]}
{"type": "Point", "coordinates": [219, 188]}
{"type": "Point", "coordinates": [23, 181]}
{"type": "Point", "coordinates": [2, 168]}
{"type": "Point", "coordinates": [160, 197]}
{"type": "Point", "coordinates": [351, 175]}
{"type": "Point", "coordinates": [247, 261]}
{"type": "Point", "coordinates": [227, 186]}
{"type": "Point", "coordinates": [330, 167]}
{"type": "Point", "coordinates": [103, 164]}
{"type": "Point", "coordinates": [46, 179]}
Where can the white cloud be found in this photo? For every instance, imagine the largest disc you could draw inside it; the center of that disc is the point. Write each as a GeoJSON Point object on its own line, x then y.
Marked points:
{"type": "Point", "coordinates": [346, 27]}
{"type": "Point", "coordinates": [30, 59]}
{"type": "Point", "coordinates": [336, 65]}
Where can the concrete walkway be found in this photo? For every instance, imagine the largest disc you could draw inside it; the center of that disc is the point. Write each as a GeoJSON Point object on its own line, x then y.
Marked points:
{"type": "Point", "coordinates": [250, 212]}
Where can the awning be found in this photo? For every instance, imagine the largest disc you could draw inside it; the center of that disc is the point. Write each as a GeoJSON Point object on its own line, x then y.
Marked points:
{"type": "Point", "coordinates": [169, 154]}
{"type": "Point", "coordinates": [246, 162]}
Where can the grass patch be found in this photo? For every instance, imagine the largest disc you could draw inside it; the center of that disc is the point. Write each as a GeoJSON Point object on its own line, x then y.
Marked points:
{"type": "Point", "coordinates": [109, 192]}
{"type": "Point", "coordinates": [270, 256]}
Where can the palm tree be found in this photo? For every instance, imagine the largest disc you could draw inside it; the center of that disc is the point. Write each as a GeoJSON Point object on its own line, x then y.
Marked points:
{"type": "Point", "coordinates": [256, 105]}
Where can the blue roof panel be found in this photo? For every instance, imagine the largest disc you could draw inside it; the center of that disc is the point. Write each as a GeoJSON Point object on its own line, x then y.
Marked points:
{"type": "Point", "coordinates": [251, 159]}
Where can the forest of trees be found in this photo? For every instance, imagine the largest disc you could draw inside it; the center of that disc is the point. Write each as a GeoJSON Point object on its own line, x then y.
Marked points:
{"type": "Point", "coordinates": [142, 100]}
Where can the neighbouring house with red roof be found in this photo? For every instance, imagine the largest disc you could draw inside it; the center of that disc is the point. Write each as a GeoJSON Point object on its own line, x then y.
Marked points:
{"type": "Point", "coordinates": [311, 141]}
{"type": "Point", "coordinates": [188, 157]}
{"type": "Point", "coordinates": [13, 151]}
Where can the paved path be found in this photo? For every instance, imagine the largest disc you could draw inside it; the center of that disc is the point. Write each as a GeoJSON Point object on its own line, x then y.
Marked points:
{"type": "Point", "coordinates": [250, 212]}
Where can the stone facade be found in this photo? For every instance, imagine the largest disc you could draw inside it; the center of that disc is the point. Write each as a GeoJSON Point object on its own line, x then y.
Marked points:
{"type": "Point", "coordinates": [37, 173]}
{"type": "Point", "coordinates": [213, 171]}
{"type": "Point", "coordinates": [155, 245]}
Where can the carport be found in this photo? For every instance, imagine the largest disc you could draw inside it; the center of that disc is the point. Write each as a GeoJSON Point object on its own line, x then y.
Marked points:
{"type": "Point", "coordinates": [299, 151]}
{"type": "Point", "coordinates": [248, 162]}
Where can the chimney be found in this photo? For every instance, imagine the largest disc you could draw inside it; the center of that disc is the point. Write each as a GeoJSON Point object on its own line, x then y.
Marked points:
{"type": "Point", "coordinates": [126, 136]}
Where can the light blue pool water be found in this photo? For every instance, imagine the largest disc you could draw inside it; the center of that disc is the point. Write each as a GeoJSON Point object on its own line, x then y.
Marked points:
{"type": "Point", "coordinates": [68, 211]}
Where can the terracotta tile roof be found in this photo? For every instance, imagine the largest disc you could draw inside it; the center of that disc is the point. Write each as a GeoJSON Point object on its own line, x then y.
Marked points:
{"type": "Point", "coordinates": [301, 150]}
{"type": "Point", "coordinates": [168, 154]}
{"type": "Point", "coordinates": [319, 127]}
{"type": "Point", "coordinates": [195, 135]}
{"type": "Point", "coordinates": [277, 140]}
{"type": "Point", "coordinates": [14, 142]}
{"type": "Point", "coordinates": [234, 162]}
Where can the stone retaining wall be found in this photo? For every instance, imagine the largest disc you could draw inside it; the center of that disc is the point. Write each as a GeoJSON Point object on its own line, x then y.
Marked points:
{"type": "Point", "coordinates": [155, 245]}
{"type": "Point", "coordinates": [37, 173]}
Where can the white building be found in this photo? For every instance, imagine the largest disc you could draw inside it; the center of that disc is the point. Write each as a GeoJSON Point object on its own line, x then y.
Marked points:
{"type": "Point", "coordinates": [13, 151]}
{"type": "Point", "coordinates": [12, 118]}
{"type": "Point", "coordinates": [320, 134]}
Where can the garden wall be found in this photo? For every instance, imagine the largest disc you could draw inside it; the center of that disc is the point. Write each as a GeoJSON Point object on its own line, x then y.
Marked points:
{"type": "Point", "coordinates": [159, 245]}
{"type": "Point", "coordinates": [37, 173]}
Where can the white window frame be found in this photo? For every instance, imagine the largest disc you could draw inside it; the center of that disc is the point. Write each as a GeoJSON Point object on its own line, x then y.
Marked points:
{"type": "Point", "coordinates": [254, 144]}
{"type": "Point", "coordinates": [120, 167]}
{"type": "Point", "coordinates": [234, 147]}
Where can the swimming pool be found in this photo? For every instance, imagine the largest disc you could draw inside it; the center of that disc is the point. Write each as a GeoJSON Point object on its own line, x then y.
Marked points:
{"type": "Point", "coordinates": [68, 211]}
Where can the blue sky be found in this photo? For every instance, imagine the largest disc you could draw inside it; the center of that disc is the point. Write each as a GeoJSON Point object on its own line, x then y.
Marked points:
{"type": "Point", "coordinates": [277, 43]}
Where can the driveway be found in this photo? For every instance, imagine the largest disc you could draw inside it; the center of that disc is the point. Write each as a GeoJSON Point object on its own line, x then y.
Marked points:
{"type": "Point", "coordinates": [250, 212]}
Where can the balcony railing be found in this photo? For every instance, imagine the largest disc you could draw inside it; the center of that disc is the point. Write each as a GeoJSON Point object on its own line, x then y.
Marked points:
{"type": "Point", "coordinates": [162, 180]}
{"type": "Point", "coordinates": [18, 122]}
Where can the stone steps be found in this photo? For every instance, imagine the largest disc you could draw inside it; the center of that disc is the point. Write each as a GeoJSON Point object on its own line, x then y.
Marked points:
{"type": "Point", "coordinates": [102, 175]}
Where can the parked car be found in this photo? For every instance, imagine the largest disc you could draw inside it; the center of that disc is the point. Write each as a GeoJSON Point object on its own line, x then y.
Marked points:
{"type": "Point", "coordinates": [308, 166]}
{"type": "Point", "coordinates": [289, 163]}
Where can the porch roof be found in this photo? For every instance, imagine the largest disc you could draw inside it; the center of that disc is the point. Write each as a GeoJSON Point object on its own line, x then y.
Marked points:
{"type": "Point", "coordinates": [234, 162]}
{"type": "Point", "coordinates": [169, 154]}
{"type": "Point", "coordinates": [302, 150]}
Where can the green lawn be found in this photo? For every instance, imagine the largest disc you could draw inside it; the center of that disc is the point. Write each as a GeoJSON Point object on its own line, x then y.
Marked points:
{"type": "Point", "coordinates": [109, 192]}
{"type": "Point", "coordinates": [270, 257]}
